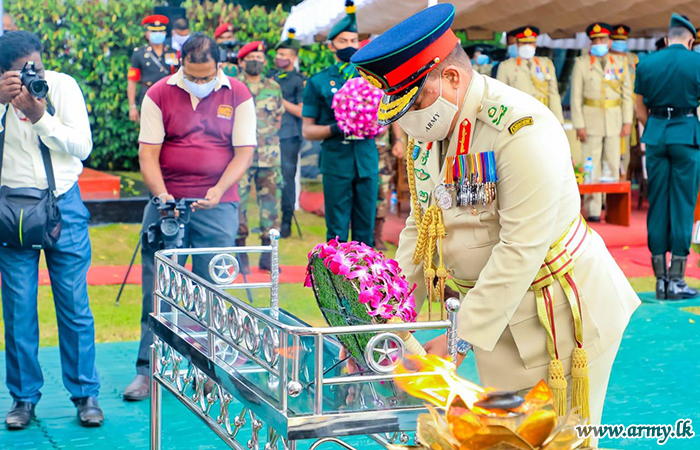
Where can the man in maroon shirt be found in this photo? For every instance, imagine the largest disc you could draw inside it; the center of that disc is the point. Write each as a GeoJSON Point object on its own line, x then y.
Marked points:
{"type": "Point", "coordinates": [198, 133]}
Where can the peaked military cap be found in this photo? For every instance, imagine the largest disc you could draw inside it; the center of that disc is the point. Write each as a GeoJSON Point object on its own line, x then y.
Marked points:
{"type": "Point", "coordinates": [347, 23]}
{"type": "Point", "coordinates": [525, 34]}
{"type": "Point", "coordinates": [682, 21]}
{"type": "Point", "coordinates": [155, 22]}
{"type": "Point", "coordinates": [399, 60]}
{"type": "Point", "coordinates": [598, 29]}
{"type": "Point", "coordinates": [621, 32]}
{"type": "Point", "coordinates": [255, 46]}
{"type": "Point", "coordinates": [291, 41]}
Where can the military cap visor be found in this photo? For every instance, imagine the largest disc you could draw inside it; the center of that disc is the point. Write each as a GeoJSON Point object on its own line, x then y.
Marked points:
{"type": "Point", "coordinates": [599, 29]}
{"type": "Point", "coordinates": [155, 22]}
{"type": "Point", "coordinates": [526, 34]}
{"type": "Point", "coordinates": [399, 60]}
{"type": "Point", "coordinates": [681, 21]}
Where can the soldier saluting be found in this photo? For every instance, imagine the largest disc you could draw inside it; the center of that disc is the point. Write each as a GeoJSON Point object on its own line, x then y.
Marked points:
{"type": "Point", "coordinates": [495, 206]}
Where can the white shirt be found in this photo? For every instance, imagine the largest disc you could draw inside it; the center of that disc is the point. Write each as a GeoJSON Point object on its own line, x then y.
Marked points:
{"type": "Point", "coordinates": [67, 135]}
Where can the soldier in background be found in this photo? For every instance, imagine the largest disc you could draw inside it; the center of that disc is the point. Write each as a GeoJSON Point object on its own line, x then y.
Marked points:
{"type": "Point", "coordinates": [619, 48]}
{"type": "Point", "coordinates": [266, 171]}
{"type": "Point", "coordinates": [601, 109]}
{"type": "Point", "coordinates": [8, 23]}
{"type": "Point", "coordinates": [149, 63]}
{"type": "Point", "coordinates": [181, 32]}
{"type": "Point", "coordinates": [534, 75]}
{"type": "Point", "coordinates": [391, 145]}
{"type": "Point", "coordinates": [482, 62]}
{"type": "Point", "coordinates": [223, 35]}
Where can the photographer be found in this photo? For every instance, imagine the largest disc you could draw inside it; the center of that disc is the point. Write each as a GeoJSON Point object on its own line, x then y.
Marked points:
{"type": "Point", "coordinates": [43, 143]}
{"type": "Point", "coordinates": [227, 42]}
{"type": "Point", "coordinates": [197, 140]}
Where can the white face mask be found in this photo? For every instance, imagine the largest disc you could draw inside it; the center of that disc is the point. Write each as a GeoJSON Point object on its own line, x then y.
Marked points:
{"type": "Point", "coordinates": [200, 90]}
{"type": "Point", "coordinates": [178, 40]}
{"type": "Point", "coordinates": [432, 123]}
{"type": "Point", "coordinates": [526, 51]}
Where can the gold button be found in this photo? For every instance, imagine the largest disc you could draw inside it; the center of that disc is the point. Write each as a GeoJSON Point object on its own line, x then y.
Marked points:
{"type": "Point", "coordinates": [473, 211]}
{"type": "Point", "coordinates": [479, 108]}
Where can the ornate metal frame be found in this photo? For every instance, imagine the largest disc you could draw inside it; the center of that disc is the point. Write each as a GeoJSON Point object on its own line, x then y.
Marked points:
{"type": "Point", "coordinates": [215, 352]}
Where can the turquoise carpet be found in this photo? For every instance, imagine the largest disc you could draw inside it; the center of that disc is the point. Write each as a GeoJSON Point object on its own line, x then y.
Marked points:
{"type": "Point", "coordinates": [656, 380]}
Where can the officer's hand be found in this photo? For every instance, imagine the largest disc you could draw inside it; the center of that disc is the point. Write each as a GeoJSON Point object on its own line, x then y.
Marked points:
{"type": "Point", "coordinates": [10, 86]}
{"type": "Point", "coordinates": [438, 347]}
{"type": "Point", "coordinates": [164, 198]}
{"type": "Point", "coordinates": [581, 134]}
{"type": "Point", "coordinates": [211, 200]}
{"type": "Point", "coordinates": [399, 149]}
{"type": "Point", "coordinates": [134, 115]}
{"type": "Point", "coordinates": [31, 106]}
{"type": "Point", "coordinates": [626, 130]}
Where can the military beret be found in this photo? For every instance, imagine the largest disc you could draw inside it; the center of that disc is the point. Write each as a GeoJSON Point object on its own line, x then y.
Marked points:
{"type": "Point", "coordinates": [347, 23]}
{"type": "Point", "coordinates": [682, 21]}
{"type": "Point", "coordinates": [621, 32]}
{"type": "Point", "coordinates": [598, 29]}
{"type": "Point", "coordinates": [525, 34]}
{"type": "Point", "coordinates": [255, 46]}
{"type": "Point", "coordinates": [155, 22]}
{"type": "Point", "coordinates": [290, 42]}
{"type": "Point", "coordinates": [399, 60]}
{"type": "Point", "coordinates": [221, 29]}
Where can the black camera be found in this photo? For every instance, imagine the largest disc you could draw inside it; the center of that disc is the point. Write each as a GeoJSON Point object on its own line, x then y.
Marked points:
{"type": "Point", "coordinates": [36, 86]}
{"type": "Point", "coordinates": [168, 231]}
{"type": "Point", "coordinates": [228, 52]}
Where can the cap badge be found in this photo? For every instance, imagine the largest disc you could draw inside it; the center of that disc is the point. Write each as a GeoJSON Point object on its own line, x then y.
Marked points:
{"type": "Point", "coordinates": [596, 28]}
{"type": "Point", "coordinates": [528, 32]}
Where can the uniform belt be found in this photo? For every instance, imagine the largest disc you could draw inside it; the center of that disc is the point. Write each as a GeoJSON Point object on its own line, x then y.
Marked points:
{"type": "Point", "coordinates": [670, 113]}
{"type": "Point", "coordinates": [601, 103]}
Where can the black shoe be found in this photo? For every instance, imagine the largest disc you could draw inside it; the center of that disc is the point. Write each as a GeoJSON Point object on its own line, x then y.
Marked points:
{"type": "Point", "coordinates": [660, 266]}
{"type": "Point", "coordinates": [242, 258]}
{"type": "Point", "coordinates": [89, 412]}
{"type": "Point", "coordinates": [21, 413]}
{"type": "Point", "coordinates": [286, 229]}
{"type": "Point", "coordinates": [139, 389]}
{"type": "Point", "coordinates": [593, 219]}
{"type": "Point", "coordinates": [677, 288]}
{"type": "Point", "coordinates": [265, 258]}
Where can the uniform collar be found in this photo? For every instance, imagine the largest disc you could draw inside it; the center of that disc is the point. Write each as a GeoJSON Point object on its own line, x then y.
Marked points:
{"type": "Point", "coordinates": [469, 110]}
{"type": "Point", "coordinates": [178, 79]}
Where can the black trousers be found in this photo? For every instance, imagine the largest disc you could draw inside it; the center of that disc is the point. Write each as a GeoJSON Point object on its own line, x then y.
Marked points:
{"type": "Point", "coordinates": [290, 158]}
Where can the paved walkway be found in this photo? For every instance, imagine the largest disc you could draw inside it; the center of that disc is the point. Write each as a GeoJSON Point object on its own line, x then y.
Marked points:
{"type": "Point", "coordinates": [655, 380]}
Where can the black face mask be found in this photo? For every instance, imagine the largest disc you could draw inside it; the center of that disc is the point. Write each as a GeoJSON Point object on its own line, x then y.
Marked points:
{"type": "Point", "coordinates": [254, 68]}
{"type": "Point", "coordinates": [344, 54]}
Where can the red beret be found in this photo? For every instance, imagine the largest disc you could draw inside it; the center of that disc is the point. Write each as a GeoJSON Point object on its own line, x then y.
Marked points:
{"type": "Point", "coordinates": [221, 29]}
{"type": "Point", "coordinates": [255, 46]}
{"type": "Point", "coordinates": [155, 22]}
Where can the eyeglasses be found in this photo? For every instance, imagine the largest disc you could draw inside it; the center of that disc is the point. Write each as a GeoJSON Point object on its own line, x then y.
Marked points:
{"type": "Point", "coordinates": [200, 80]}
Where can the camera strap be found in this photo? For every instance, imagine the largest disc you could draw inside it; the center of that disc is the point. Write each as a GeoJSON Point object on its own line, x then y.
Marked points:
{"type": "Point", "coordinates": [45, 154]}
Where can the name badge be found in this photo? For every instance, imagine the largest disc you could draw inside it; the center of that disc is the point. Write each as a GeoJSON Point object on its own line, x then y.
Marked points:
{"type": "Point", "coordinates": [171, 59]}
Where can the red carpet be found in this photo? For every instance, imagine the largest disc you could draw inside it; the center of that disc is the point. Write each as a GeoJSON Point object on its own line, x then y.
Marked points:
{"type": "Point", "coordinates": [628, 245]}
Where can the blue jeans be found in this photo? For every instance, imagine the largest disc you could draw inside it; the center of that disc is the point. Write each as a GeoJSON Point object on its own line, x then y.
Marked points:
{"type": "Point", "coordinates": [68, 262]}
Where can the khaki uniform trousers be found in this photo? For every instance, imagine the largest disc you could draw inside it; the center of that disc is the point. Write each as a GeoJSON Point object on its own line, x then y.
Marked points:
{"type": "Point", "coordinates": [602, 149]}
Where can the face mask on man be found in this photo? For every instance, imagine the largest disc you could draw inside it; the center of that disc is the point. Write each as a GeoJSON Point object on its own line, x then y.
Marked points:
{"type": "Point", "coordinates": [282, 63]}
{"type": "Point", "coordinates": [432, 123]}
{"type": "Point", "coordinates": [482, 60]}
{"type": "Point", "coordinates": [254, 68]}
{"type": "Point", "coordinates": [200, 90]}
{"type": "Point", "coordinates": [156, 37]}
{"type": "Point", "coordinates": [344, 54]}
{"type": "Point", "coordinates": [599, 50]}
{"type": "Point", "coordinates": [179, 41]}
{"type": "Point", "coordinates": [513, 51]}
{"type": "Point", "coordinates": [619, 46]}
{"type": "Point", "coordinates": [526, 51]}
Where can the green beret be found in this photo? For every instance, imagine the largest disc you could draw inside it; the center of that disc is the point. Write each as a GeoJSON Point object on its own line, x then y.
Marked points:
{"type": "Point", "coordinates": [681, 21]}
{"type": "Point", "coordinates": [290, 42]}
{"type": "Point", "coordinates": [347, 23]}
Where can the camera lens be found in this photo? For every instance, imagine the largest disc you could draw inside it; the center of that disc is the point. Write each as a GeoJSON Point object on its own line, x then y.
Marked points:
{"type": "Point", "coordinates": [169, 227]}
{"type": "Point", "coordinates": [38, 88]}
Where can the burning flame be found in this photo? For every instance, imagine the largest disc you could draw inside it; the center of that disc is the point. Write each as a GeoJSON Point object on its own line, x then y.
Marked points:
{"type": "Point", "coordinates": [289, 352]}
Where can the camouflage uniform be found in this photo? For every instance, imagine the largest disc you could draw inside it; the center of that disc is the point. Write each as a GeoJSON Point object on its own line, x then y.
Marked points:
{"type": "Point", "coordinates": [265, 171]}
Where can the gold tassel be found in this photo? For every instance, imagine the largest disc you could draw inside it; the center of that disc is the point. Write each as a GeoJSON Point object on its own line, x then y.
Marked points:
{"type": "Point", "coordinates": [557, 383]}
{"type": "Point", "coordinates": [580, 383]}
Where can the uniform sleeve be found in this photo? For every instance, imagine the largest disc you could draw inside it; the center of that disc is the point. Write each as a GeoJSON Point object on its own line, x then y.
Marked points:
{"type": "Point", "coordinates": [299, 89]}
{"type": "Point", "coordinates": [528, 200]}
{"type": "Point", "coordinates": [152, 128]}
{"type": "Point", "coordinates": [404, 256]}
{"type": "Point", "coordinates": [577, 95]}
{"type": "Point", "coordinates": [554, 97]}
{"type": "Point", "coordinates": [134, 73]}
{"type": "Point", "coordinates": [627, 100]}
{"type": "Point", "coordinates": [245, 125]}
{"type": "Point", "coordinates": [501, 74]}
{"type": "Point", "coordinates": [68, 130]}
{"type": "Point", "coordinates": [638, 83]}
{"type": "Point", "coordinates": [311, 101]}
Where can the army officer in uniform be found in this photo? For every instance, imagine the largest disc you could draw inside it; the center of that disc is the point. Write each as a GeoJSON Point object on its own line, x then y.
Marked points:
{"type": "Point", "coordinates": [668, 88]}
{"type": "Point", "coordinates": [149, 63]}
{"type": "Point", "coordinates": [490, 173]}
{"type": "Point", "coordinates": [534, 75]}
{"type": "Point", "coordinates": [350, 166]}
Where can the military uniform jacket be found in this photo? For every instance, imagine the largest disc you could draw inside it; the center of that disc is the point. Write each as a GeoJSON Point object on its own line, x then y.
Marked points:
{"type": "Point", "coordinates": [536, 77]}
{"type": "Point", "coordinates": [503, 244]}
{"type": "Point", "coordinates": [603, 83]}
{"type": "Point", "coordinates": [292, 84]}
{"type": "Point", "coordinates": [269, 109]}
{"type": "Point", "coordinates": [147, 67]}
{"type": "Point", "coordinates": [484, 69]}
{"type": "Point", "coordinates": [338, 155]}
{"type": "Point", "coordinates": [670, 78]}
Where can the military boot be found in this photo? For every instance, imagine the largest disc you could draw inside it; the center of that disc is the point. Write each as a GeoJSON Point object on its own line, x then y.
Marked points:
{"type": "Point", "coordinates": [677, 289]}
{"type": "Point", "coordinates": [242, 257]}
{"type": "Point", "coordinates": [379, 243]}
{"type": "Point", "coordinates": [286, 228]}
{"type": "Point", "coordinates": [658, 263]}
{"type": "Point", "coordinates": [265, 258]}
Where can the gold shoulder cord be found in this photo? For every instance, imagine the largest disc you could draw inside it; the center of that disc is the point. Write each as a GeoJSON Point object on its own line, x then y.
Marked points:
{"type": "Point", "coordinates": [431, 232]}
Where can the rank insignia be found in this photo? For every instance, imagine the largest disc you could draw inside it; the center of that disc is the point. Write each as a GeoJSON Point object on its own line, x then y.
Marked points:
{"type": "Point", "coordinates": [423, 196]}
{"type": "Point", "coordinates": [421, 174]}
{"type": "Point", "coordinates": [416, 152]}
{"type": "Point", "coordinates": [424, 158]}
{"type": "Point", "coordinates": [520, 123]}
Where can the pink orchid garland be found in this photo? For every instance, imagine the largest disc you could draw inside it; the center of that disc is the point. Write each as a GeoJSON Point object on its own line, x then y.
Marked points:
{"type": "Point", "coordinates": [377, 280]}
{"type": "Point", "coordinates": [355, 106]}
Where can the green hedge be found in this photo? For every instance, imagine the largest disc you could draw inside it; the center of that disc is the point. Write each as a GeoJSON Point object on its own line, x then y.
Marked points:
{"type": "Point", "coordinates": [93, 41]}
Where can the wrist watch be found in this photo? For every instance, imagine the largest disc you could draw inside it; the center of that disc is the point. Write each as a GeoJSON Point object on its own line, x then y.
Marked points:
{"type": "Point", "coordinates": [463, 347]}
